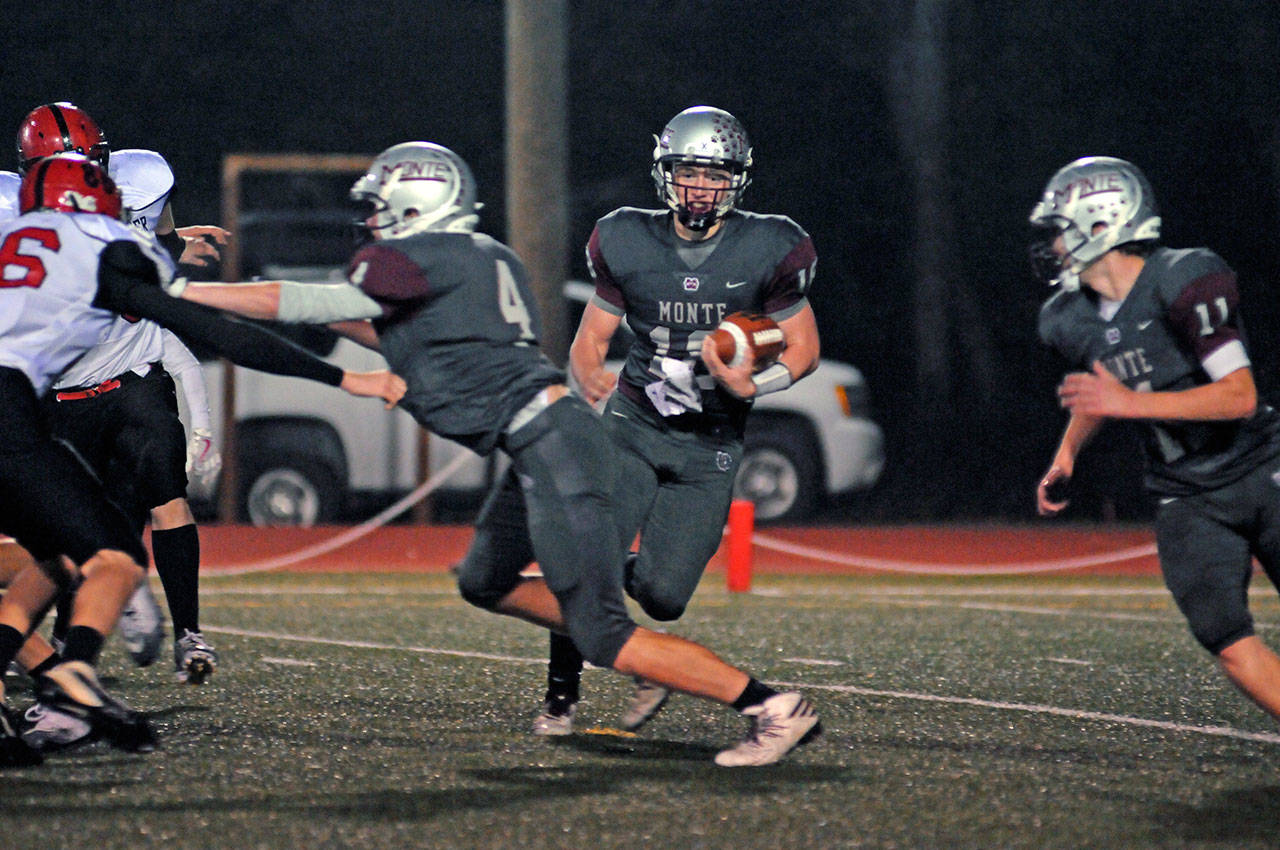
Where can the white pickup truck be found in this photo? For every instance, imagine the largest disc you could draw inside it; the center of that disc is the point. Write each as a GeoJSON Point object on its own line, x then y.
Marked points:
{"type": "Point", "coordinates": [309, 454]}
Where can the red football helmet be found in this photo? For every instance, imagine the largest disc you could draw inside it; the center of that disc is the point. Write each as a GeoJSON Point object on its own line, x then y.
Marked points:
{"type": "Point", "coordinates": [69, 182]}
{"type": "Point", "coordinates": [57, 128]}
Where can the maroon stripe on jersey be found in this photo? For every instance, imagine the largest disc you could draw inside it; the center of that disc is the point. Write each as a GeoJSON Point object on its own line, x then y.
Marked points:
{"type": "Point", "coordinates": [397, 283]}
{"type": "Point", "coordinates": [606, 285]}
{"type": "Point", "coordinates": [791, 277]}
{"type": "Point", "coordinates": [1205, 315]}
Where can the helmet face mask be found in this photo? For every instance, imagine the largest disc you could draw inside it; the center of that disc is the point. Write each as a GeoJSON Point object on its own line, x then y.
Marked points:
{"type": "Point", "coordinates": [1089, 207]}
{"type": "Point", "coordinates": [414, 187]}
{"type": "Point", "coordinates": [69, 182]}
{"type": "Point", "coordinates": [706, 141]}
{"type": "Point", "coordinates": [60, 128]}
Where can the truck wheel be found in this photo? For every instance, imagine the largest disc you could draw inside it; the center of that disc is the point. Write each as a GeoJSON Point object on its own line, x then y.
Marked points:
{"type": "Point", "coordinates": [779, 473]}
{"type": "Point", "coordinates": [289, 491]}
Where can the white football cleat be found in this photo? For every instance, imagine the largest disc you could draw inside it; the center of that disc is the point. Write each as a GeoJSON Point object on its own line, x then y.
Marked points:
{"type": "Point", "coordinates": [142, 625]}
{"type": "Point", "coordinates": [646, 702]}
{"type": "Point", "coordinates": [556, 718]}
{"type": "Point", "coordinates": [47, 729]}
{"type": "Point", "coordinates": [194, 659]}
{"type": "Point", "coordinates": [778, 725]}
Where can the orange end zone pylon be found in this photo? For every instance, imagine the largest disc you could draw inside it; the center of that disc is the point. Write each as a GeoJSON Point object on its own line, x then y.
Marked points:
{"type": "Point", "coordinates": [742, 521]}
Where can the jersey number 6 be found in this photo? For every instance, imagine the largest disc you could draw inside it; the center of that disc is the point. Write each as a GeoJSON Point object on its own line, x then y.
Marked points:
{"type": "Point", "coordinates": [32, 267]}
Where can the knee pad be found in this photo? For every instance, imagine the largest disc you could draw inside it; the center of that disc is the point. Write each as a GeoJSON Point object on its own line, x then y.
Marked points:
{"type": "Point", "coordinates": [473, 589]}
{"type": "Point", "coordinates": [1215, 627]}
{"type": "Point", "coordinates": [479, 586]}
{"type": "Point", "coordinates": [161, 471]}
{"type": "Point", "coordinates": [658, 608]}
{"type": "Point", "coordinates": [597, 626]}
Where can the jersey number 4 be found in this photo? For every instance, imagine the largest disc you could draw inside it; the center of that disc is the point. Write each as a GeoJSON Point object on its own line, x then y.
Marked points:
{"type": "Point", "coordinates": [510, 304]}
{"type": "Point", "coordinates": [30, 266]}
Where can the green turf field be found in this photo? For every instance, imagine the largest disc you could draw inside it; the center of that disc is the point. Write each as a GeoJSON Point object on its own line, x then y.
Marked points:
{"type": "Point", "coordinates": [382, 712]}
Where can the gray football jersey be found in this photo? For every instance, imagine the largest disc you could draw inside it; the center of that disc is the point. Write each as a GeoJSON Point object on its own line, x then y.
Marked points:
{"type": "Point", "coordinates": [760, 263]}
{"type": "Point", "coordinates": [459, 324]}
{"type": "Point", "coordinates": [1182, 311]}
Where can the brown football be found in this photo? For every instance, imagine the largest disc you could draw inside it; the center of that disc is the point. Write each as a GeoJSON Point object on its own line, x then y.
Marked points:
{"type": "Point", "coordinates": [739, 330]}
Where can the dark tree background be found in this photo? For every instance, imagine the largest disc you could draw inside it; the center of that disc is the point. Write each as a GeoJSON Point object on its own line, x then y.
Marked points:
{"type": "Point", "coordinates": [909, 137]}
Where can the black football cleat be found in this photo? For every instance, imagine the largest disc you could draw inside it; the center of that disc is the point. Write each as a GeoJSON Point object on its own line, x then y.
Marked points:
{"type": "Point", "coordinates": [72, 687]}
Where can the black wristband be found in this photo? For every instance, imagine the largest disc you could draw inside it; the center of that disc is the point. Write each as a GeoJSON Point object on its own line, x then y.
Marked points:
{"type": "Point", "coordinates": [173, 243]}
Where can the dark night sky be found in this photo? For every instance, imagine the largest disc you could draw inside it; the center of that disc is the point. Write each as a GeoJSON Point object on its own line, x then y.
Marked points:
{"type": "Point", "coordinates": [1187, 90]}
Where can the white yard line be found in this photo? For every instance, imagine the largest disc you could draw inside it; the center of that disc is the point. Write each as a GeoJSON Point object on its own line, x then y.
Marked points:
{"type": "Point", "coordinates": [1030, 708]}
{"type": "Point", "coordinates": [364, 644]}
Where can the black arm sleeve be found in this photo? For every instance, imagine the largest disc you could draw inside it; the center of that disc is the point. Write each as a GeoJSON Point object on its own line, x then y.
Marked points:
{"type": "Point", "coordinates": [128, 283]}
{"type": "Point", "coordinates": [173, 243]}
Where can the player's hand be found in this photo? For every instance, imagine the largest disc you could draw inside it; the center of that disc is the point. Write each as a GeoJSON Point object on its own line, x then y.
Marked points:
{"type": "Point", "coordinates": [382, 384]}
{"type": "Point", "coordinates": [598, 385]}
{"type": "Point", "coordinates": [199, 250]}
{"type": "Point", "coordinates": [1051, 494]}
{"type": "Point", "coordinates": [735, 379]}
{"type": "Point", "coordinates": [1096, 393]}
{"type": "Point", "coordinates": [203, 460]}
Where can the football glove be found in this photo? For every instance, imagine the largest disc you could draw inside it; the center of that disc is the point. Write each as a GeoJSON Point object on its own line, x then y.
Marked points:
{"type": "Point", "coordinates": [203, 460]}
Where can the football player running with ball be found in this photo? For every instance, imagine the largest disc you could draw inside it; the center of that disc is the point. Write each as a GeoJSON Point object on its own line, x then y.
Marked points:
{"type": "Point", "coordinates": [1157, 335]}
{"type": "Point", "coordinates": [70, 267]}
{"type": "Point", "coordinates": [678, 414]}
{"type": "Point", "coordinates": [457, 321]}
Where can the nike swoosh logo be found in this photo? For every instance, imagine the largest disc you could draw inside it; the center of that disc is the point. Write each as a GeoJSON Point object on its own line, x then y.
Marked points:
{"type": "Point", "coordinates": [1142, 326]}
{"type": "Point", "coordinates": [619, 415]}
{"type": "Point", "coordinates": [735, 284]}
{"type": "Point", "coordinates": [1168, 500]}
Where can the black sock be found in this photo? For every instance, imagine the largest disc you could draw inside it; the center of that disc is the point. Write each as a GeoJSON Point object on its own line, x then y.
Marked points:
{"type": "Point", "coordinates": [83, 644]}
{"type": "Point", "coordinates": [754, 694]}
{"type": "Point", "coordinates": [11, 640]}
{"type": "Point", "coordinates": [176, 552]}
{"type": "Point", "coordinates": [37, 673]}
{"type": "Point", "coordinates": [62, 620]}
{"type": "Point", "coordinates": [564, 670]}
{"type": "Point", "coordinates": [48, 664]}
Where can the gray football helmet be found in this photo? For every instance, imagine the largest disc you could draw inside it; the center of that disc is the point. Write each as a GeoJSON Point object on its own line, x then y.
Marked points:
{"type": "Point", "coordinates": [702, 136]}
{"type": "Point", "coordinates": [1092, 191]}
{"type": "Point", "coordinates": [418, 186]}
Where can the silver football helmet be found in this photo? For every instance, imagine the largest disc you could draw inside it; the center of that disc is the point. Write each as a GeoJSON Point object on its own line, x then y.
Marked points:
{"type": "Point", "coordinates": [418, 186]}
{"type": "Point", "coordinates": [702, 136]}
{"type": "Point", "coordinates": [1091, 192]}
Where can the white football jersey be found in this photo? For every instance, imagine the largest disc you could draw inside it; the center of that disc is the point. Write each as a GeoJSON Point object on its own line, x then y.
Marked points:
{"type": "Point", "coordinates": [10, 182]}
{"type": "Point", "coordinates": [144, 178]}
{"type": "Point", "coordinates": [50, 278]}
{"type": "Point", "coordinates": [145, 181]}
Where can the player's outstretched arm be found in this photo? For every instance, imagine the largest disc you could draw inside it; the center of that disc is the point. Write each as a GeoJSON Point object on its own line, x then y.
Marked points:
{"type": "Point", "coordinates": [198, 250]}
{"type": "Point", "coordinates": [282, 300]}
{"type": "Point", "coordinates": [128, 283]}
{"type": "Point", "coordinates": [360, 332]}
{"type": "Point", "coordinates": [382, 384]}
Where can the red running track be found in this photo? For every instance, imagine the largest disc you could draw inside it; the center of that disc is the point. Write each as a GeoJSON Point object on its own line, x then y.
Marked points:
{"type": "Point", "coordinates": [433, 548]}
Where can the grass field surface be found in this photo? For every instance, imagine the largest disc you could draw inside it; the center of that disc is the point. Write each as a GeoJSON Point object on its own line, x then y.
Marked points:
{"type": "Point", "coordinates": [380, 711]}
